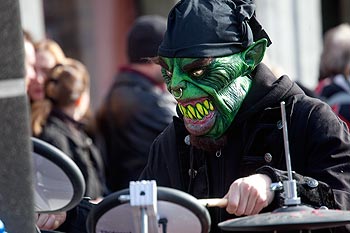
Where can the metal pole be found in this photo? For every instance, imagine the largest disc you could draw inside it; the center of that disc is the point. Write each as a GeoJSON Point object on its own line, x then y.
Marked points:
{"type": "Point", "coordinates": [290, 187]}
{"type": "Point", "coordinates": [144, 220]}
{"type": "Point", "coordinates": [286, 140]}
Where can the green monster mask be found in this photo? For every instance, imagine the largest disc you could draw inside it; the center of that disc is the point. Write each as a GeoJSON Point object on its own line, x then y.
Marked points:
{"type": "Point", "coordinates": [210, 91]}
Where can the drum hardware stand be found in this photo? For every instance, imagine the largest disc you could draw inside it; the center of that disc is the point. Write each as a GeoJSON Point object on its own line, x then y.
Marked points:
{"type": "Point", "coordinates": [291, 199]}
{"type": "Point", "coordinates": [290, 187]}
{"type": "Point", "coordinates": [292, 215]}
{"type": "Point", "coordinates": [143, 200]}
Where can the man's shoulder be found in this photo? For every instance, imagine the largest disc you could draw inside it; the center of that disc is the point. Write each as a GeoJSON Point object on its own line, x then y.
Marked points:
{"type": "Point", "coordinates": [131, 87]}
{"type": "Point", "coordinates": [172, 132]}
{"type": "Point", "coordinates": [314, 111]}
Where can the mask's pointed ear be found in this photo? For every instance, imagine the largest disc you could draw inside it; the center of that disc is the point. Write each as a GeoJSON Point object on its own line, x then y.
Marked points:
{"type": "Point", "coordinates": [255, 53]}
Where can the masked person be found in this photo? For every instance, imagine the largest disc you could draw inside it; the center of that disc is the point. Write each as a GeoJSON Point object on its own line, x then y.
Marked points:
{"type": "Point", "coordinates": [228, 140]}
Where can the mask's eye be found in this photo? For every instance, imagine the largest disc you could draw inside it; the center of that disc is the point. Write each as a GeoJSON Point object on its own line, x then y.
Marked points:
{"type": "Point", "coordinates": [198, 73]}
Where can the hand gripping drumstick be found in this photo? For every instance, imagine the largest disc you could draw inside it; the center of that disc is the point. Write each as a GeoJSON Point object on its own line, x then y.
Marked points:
{"type": "Point", "coordinates": [291, 198]}
{"type": "Point", "coordinates": [213, 202]}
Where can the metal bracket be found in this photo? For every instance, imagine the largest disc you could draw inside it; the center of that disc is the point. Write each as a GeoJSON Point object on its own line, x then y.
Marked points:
{"type": "Point", "coordinates": [143, 200]}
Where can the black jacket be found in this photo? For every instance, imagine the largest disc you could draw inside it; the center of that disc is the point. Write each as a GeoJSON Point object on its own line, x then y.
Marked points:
{"type": "Point", "coordinates": [319, 147]}
{"type": "Point", "coordinates": [67, 135]}
{"type": "Point", "coordinates": [136, 111]}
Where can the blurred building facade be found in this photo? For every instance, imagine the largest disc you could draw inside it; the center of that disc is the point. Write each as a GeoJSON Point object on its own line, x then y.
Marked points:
{"type": "Point", "coordinates": [94, 32]}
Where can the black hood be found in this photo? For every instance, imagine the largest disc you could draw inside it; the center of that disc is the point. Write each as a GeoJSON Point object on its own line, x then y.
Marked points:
{"type": "Point", "coordinates": [266, 91]}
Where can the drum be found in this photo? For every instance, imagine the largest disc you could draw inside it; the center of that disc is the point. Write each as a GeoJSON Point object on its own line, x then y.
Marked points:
{"type": "Point", "coordinates": [177, 212]}
{"type": "Point", "coordinates": [58, 182]}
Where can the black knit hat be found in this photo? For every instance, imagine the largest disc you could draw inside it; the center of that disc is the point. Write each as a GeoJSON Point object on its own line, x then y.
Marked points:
{"type": "Point", "coordinates": [144, 37]}
{"type": "Point", "coordinates": [210, 28]}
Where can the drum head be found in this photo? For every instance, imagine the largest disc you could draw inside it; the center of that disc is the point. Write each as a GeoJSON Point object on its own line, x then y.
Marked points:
{"type": "Point", "coordinates": [58, 182]}
{"type": "Point", "coordinates": [181, 211]}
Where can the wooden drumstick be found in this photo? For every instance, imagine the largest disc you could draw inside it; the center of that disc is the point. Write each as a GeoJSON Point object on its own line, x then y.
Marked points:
{"type": "Point", "coordinates": [213, 202]}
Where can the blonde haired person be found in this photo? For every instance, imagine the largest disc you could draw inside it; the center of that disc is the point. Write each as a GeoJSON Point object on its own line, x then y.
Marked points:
{"type": "Point", "coordinates": [67, 101]}
{"type": "Point", "coordinates": [33, 80]}
{"type": "Point", "coordinates": [48, 54]}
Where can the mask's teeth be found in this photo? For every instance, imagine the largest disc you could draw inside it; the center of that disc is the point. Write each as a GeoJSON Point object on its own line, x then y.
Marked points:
{"type": "Point", "coordinates": [206, 104]}
{"type": "Point", "coordinates": [200, 108]}
{"type": "Point", "coordinates": [182, 109]}
{"type": "Point", "coordinates": [211, 107]}
{"type": "Point", "coordinates": [189, 114]}
{"type": "Point", "coordinates": [198, 115]}
{"type": "Point", "coordinates": [206, 112]}
{"type": "Point", "coordinates": [198, 111]}
{"type": "Point", "coordinates": [191, 110]}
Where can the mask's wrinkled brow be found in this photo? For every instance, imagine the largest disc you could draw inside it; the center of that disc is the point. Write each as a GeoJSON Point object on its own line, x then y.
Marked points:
{"type": "Point", "coordinates": [161, 62]}
{"type": "Point", "coordinates": [200, 63]}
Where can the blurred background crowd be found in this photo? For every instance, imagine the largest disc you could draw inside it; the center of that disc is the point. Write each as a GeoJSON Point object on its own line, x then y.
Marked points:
{"type": "Point", "coordinates": [94, 31]}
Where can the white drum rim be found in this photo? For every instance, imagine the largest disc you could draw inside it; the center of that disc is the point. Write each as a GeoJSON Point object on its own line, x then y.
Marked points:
{"type": "Point", "coordinates": [164, 194]}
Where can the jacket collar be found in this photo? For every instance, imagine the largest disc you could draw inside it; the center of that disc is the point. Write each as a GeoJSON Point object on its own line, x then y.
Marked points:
{"type": "Point", "coordinates": [267, 91]}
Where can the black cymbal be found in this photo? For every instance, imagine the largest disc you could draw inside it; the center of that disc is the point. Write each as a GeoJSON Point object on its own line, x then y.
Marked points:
{"type": "Point", "coordinates": [289, 218]}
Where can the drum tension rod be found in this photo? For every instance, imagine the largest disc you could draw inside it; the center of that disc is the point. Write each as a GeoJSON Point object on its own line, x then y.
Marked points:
{"type": "Point", "coordinates": [163, 222]}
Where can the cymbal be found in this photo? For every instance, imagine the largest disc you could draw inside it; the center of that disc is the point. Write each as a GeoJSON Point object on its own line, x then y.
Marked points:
{"type": "Point", "coordinates": [289, 218]}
